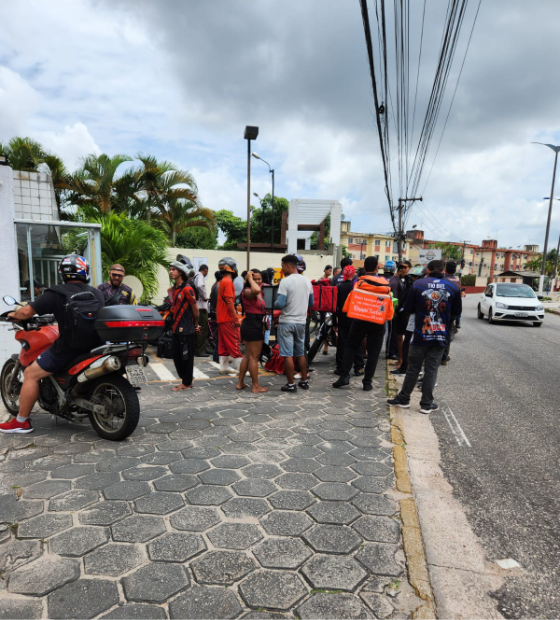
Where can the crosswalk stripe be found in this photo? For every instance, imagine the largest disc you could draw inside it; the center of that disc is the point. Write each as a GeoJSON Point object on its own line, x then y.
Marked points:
{"type": "Point", "coordinates": [162, 372]}
{"type": "Point", "coordinates": [198, 374]}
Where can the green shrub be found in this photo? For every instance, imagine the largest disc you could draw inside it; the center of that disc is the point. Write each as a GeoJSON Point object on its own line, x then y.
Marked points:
{"type": "Point", "coordinates": [469, 280]}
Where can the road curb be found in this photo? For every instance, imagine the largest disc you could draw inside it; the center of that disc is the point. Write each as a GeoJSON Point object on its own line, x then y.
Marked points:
{"type": "Point", "coordinates": [555, 311]}
{"type": "Point", "coordinates": [417, 566]}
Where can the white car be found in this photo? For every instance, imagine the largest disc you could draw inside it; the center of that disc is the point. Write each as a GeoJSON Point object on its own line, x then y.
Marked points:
{"type": "Point", "coordinates": [508, 301]}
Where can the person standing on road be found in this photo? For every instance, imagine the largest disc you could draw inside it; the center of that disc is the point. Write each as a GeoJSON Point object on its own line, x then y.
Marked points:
{"type": "Point", "coordinates": [115, 290]}
{"type": "Point", "coordinates": [435, 302]}
{"type": "Point", "coordinates": [228, 344]}
{"type": "Point", "coordinates": [361, 329]}
{"type": "Point", "coordinates": [450, 269]}
{"type": "Point", "coordinates": [199, 281]}
{"type": "Point", "coordinates": [185, 324]}
{"type": "Point", "coordinates": [343, 323]}
{"type": "Point", "coordinates": [295, 296]}
{"type": "Point", "coordinates": [339, 278]}
{"type": "Point", "coordinates": [399, 290]}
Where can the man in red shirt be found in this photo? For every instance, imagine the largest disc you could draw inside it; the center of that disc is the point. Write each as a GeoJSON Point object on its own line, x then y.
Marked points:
{"type": "Point", "coordinates": [226, 316]}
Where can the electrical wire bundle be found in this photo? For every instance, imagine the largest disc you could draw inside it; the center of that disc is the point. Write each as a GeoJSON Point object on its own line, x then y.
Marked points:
{"type": "Point", "coordinates": [392, 93]}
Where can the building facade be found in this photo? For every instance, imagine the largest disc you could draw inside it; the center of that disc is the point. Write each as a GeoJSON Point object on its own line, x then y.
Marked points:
{"type": "Point", "coordinates": [359, 245]}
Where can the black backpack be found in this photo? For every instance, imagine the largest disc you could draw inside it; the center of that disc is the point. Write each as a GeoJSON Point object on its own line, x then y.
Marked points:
{"type": "Point", "coordinates": [80, 312]}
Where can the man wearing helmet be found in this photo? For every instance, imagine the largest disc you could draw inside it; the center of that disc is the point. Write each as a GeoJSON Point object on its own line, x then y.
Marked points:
{"type": "Point", "coordinates": [74, 271]}
{"type": "Point", "coordinates": [226, 316]}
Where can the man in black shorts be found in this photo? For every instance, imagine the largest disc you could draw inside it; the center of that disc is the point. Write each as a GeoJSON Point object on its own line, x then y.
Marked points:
{"type": "Point", "coordinates": [74, 271]}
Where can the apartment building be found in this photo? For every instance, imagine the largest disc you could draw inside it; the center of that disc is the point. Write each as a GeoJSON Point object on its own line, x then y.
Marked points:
{"type": "Point", "coordinates": [359, 244]}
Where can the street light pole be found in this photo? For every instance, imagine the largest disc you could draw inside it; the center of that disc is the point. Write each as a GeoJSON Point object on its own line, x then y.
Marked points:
{"type": "Point", "coordinates": [400, 234]}
{"type": "Point", "coordinates": [251, 133]}
{"type": "Point", "coordinates": [556, 149]}
{"type": "Point", "coordinates": [271, 170]}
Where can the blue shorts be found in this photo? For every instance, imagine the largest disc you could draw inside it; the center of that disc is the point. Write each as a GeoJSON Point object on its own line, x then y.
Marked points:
{"type": "Point", "coordinates": [291, 339]}
{"type": "Point", "coordinates": [53, 362]}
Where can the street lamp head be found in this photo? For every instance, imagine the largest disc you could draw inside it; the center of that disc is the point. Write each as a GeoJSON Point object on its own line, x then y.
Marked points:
{"type": "Point", "coordinates": [256, 195]}
{"type": "Point", "coordinates": [255, 155]}
{"type": "Point", "coordinates": [251, 132]}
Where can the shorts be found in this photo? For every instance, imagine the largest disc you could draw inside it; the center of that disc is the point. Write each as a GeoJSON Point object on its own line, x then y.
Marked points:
{"type": "Point", "coordinates": [401, 322]}
{"type": "Point", "coordinates": [53, 362]}
{"type": "Point", "coordinates": [252, 328]}
{"type": "Point", "coordinates": [291, 339]}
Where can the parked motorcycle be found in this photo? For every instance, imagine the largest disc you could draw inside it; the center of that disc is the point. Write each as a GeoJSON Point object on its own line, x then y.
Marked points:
{"type": "Point", "coordinates": [325, 333]}
{"type": "Point", "coordinates": [97, 384]}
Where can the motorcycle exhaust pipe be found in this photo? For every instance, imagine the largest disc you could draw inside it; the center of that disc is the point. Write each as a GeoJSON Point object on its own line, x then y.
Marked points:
{"type": "Point", "coordinates": [109, 365]}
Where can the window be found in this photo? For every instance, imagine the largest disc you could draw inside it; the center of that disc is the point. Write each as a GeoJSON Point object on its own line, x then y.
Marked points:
{"type": "Point", "coordinates": [388, 243]}
{"type": "Point", "coordinates": [404, 246]}
{"type": "Point", "coordinates": [377, 242]}
{"type": "Point", "coordinates": [351, 240]}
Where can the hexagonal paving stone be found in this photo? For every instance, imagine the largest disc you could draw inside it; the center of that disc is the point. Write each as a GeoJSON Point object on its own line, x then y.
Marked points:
{"type": "Point", "coordinates": [43, 576]}
{"type": "Point", "coordinates": [159, 503]}
{"type": "Point", "coordinates": [371, 469]}
{"type": "Point", "coordinates": [303, 451]}
{"type": "Point", "coordinates": [339, 459]}
{"type": "Point", "coordinates": [205, 602]}
{"type": "Point", "coordinates": [379, 603]}
{"type": "Point", "coordinates": [113, 560]}
{"type": "Point", "coordinates": [331, 473]}
{"type": "Point", "coordinates": [335, 491]}
{"type": "Point", "coordinates": [332, 539]}
{"type": "Point", "coordinates": [201, 453]}
{"type": "Point", "coordinates": [286, 523]}
{"type": "Point", "coordinates": [176, 547]}
{"type": "Point", "coordinates": [14, 511]}
{"type": "Point", "coordinates": [78, 541]}
{"type": "Point", "coordinates": [73, 471]}
{"type": "Point", "coordinates": [262, 470]}
{"type": "Point", "coordinates": [221, 567]}
{"type": "Point", "coordinates": [221, 477]}
{"type": "Point", "coordinates": [48, 463]}
{"type": "Point", "coordinates": [144, 473]}
{"type": "Point", "coordinates": [161, 458]}
{"type": "Point", "coordinates": [155, 583]}
{"type": "Point", "coordinates": [331, 572]}
{"type": "Point", "coordinates": [301, 466]}
{"type": "Point", "coordinates": [20, 608]}
{"type": "Point", "coordinates": [73, 500]}
{"type": "Point", "coordinates": [193, 519]}
{"type": "Point", "coordinates": [86, 598]}
{"type": "Point", "coordinates": [243, 507]}
{"type": "Point", "coordinates": [378, 529]}
{"type": "Point", "coordinates": [189, 466]}
{"type": "Point", "coordinates": [137, 529]}
{"type": "Point", "coordinates": [334, 513]}
{"type": "Point", "coordinates": [26, 478]}
{"type": "Point", "coordinates": [135, 449]}
{"type": "Point", "coordinates": [176, 482]}
{"type": "Point", "coordinates": [16, 553]}
{"type": "Point", "coordinates": [235, 535]}
{"type": "Point", "coordinates": [118, 463]}
{"type": "Point", "coordinates": [127, 490]}
{"type": "Point", "coordinates": [380, 559]}
{"type": "Point", "coordinates": [298, 482]}
{"type": "Point", "coordinates": [44, 526]}
{"type": "Point", "coordinates": [282, 553]}
{"type": "Point", "coordinates": [47, 489]}
{"type": "Point", "coordinates": [375, 505]}
{"type": "Point", "coordinates": [230, 461]}
{"type": "Point", "coordinates": [333, 607]}
{"type": "Point", "coordinates": [135, 611]}
{"type": "Point", "coordinates": [96, 482]}
{"type": "Point", "coordinates": [369, 454]}
{"type": "Point", "coordinates": [373, 484]}
{"type": "Point", "coordinates": [291, 500]}
{"type": "Point", "coordinates": [208, 496]}
{"type": "Point", "coordinates": [272, 589]}
{"type": "Point", "coordinates": [254, 487]}
{"type": "Point", "coordinates": [104, 513]}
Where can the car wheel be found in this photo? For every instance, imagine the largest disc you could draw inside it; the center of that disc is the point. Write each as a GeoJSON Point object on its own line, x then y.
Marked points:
{"type": "Point", "coordinates": [537, 324]}
{"type": "Point", "coordinates": [490, 319]}
{"type": "Point", "coordinates": [479, 313]}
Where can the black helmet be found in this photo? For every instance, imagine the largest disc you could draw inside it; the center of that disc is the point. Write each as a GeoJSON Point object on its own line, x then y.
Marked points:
{"type": "Point", "coordinates": [228, 264]}
{"type": "Point", "coordinates": [301, 266]}
{"type": "Point", "coordinates": [74, 267]}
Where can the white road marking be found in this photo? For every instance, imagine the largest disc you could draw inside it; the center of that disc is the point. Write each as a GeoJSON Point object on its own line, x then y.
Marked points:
{"type": "Point", "coordinates": [215, 364]}
{"type": "Point", "coordinates": [198, 374]}
{"type": "Point", "coordinates": [163, 373]}
{"type": "Point", "coordinates": [508, 563]}
{"type": "Point", "coordinates": [455, 427]}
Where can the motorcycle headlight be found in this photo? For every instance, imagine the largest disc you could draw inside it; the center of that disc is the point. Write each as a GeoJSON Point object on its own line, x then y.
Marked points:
{"type": "Point", "coordinates": [328, 320]}
{"type": "Point", "coordinates": [500, 305]}
{"type": "Point", "coordinates": [540, 307]}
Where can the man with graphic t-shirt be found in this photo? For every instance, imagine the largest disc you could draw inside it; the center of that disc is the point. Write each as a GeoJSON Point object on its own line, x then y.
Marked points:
{"type": "Point", "coordinates": [435, 302]}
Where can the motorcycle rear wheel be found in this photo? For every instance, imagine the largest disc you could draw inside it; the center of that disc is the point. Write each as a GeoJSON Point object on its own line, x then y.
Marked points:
{"type": "Point", "coordinates": [122, 404]}
{"type": "Point", "coordinates": [314, 348]}
{"type": "Point", "coordinates": [11, 402]}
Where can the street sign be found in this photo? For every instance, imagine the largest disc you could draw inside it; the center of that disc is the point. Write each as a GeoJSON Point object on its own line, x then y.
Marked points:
{"type": "Point", "coordinates": [425, 256]}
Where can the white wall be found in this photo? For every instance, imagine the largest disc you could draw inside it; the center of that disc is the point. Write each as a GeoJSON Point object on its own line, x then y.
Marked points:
{"type": "Point", "coordinates": [259, 260]}
{"type": "Point", "coordinates": [9, 281]}
{"type": "Point", "coordinates": [34, 196]}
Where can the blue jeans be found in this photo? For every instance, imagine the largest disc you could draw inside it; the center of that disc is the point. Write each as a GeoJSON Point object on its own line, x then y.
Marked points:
{"type": "Point", "coordinates": [291, 339]}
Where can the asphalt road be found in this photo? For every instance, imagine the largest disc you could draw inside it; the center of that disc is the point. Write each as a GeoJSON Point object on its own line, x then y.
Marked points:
{"type": "Point", "coordinates": [502, 386]}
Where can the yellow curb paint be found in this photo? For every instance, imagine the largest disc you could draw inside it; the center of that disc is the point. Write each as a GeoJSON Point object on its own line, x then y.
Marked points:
{"type": "Point", "coordinates": [403, 480]}
{"type": "Point", "coordinates": [396, 436]}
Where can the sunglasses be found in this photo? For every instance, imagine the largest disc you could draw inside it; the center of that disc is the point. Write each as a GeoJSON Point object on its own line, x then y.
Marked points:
{"type": "Point", "coordinates": [117, 275]}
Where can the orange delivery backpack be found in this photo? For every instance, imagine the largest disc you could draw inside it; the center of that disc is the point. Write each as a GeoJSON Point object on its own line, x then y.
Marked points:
{"type": "Point", "coordinates": [370, 300]}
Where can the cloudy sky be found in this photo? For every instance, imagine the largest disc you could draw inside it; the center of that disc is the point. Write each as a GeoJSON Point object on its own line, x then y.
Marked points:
{"type": "Point", "coordinates": [181, 78]}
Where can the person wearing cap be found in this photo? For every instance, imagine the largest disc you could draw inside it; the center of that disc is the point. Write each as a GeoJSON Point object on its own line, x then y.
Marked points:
{"type": "Point", "coordinates": [226, 316]}
{"type": "Point", "coordinates": [37, 286]}
{"type": "Point", "coordinates": [115, 290]}
{"type": "Point", "coordinates": [343, 323]}
{"type": "Point", "coordinates": [184, 310]}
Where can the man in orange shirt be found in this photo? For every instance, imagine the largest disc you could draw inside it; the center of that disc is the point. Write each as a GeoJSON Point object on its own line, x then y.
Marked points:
{"type": "Point", "coordinates": [226, 316]}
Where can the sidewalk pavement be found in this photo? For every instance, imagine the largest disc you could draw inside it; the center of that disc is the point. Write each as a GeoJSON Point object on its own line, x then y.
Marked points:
{"type": "Point", "coordinates": [223, 504]}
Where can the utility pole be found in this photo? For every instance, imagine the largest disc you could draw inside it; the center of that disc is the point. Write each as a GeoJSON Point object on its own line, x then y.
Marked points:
{"type": "Point", "coordinates": [463, 255]}
{"type": "Point", "coordinates": [480, 266]}
{"type": "Point", "coordinates": [555, 281]}
{"type": "Point", "coordinates": [400, 233]}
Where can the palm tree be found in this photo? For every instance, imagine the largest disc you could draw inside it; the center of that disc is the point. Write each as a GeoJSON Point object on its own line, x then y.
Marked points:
{"type": "Point", "coordinates": [449, 251]}
{"type": "Point", "coordinates": [97, 187]}
{"type": "Point", "coordinates": [60, 178]}
{"type": "Point", "coordinates": [23, 154]}
{"type": "Point", "coordinates": [176, 216]}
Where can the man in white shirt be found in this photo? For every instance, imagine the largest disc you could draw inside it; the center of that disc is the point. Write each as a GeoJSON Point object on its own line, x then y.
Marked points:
{"type": "Point", "coordinates": [202, 303]}
{"type": "Point", "coordinates": [295, 296]}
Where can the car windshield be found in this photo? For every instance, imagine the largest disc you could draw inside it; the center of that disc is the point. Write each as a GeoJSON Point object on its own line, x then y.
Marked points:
{"type": "Point", "coordinates": [515, 290]}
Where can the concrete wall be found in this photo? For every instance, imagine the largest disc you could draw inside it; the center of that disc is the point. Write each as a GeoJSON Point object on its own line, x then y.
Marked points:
{"type": "Point", "coordinates": [9, 283]}
{"type": "Point", "coordinates": [34, 196]}
{"type": "Point", "coordinates": [260, 260]}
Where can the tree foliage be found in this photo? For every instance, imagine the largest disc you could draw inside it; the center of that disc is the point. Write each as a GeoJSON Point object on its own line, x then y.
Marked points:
{"type": "Point", "coordinates": [536, 263]}
{"type": "Point", "coordinates": [449, 251]}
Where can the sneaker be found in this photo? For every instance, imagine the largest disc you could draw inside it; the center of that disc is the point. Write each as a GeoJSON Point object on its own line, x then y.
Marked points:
{"type": "Point", "coordinates": [457, 325]}
{"type": "Point", "coordinates": [289, 387]}
{"type": "Point", "coordinates": [13, 426]}
{"type": "Point", "coordinates": [429, 408]}
{"type": "Point", "coordinates": [342, 381]}
{"type": "Point", "coordinates": [395, 402]}
{"type": "Point", "coordinates": [304, 385]}
{"type": "Point", "coordinates": [297, 375]}
{"type": "Point", "coordinates": [398, 371]}
{"type": "Point", "coordinates": [368, 386]}
{"type": "Point", "coordinates": [359, 372]}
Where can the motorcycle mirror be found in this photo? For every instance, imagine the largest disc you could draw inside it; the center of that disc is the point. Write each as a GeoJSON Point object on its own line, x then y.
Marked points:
{"type": "Point", "coordinates": [10, 301]}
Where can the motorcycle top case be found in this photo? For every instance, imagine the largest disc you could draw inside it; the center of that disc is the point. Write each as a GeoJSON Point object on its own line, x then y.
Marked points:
{"type": "Point", "coordinates": [129, 324]}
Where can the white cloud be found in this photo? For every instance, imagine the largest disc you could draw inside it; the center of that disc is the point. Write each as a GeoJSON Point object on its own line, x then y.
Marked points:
{"type": "Point", "coordinates": [72, 144]}
{"type": "Point", "coordinates": [18, 102]}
